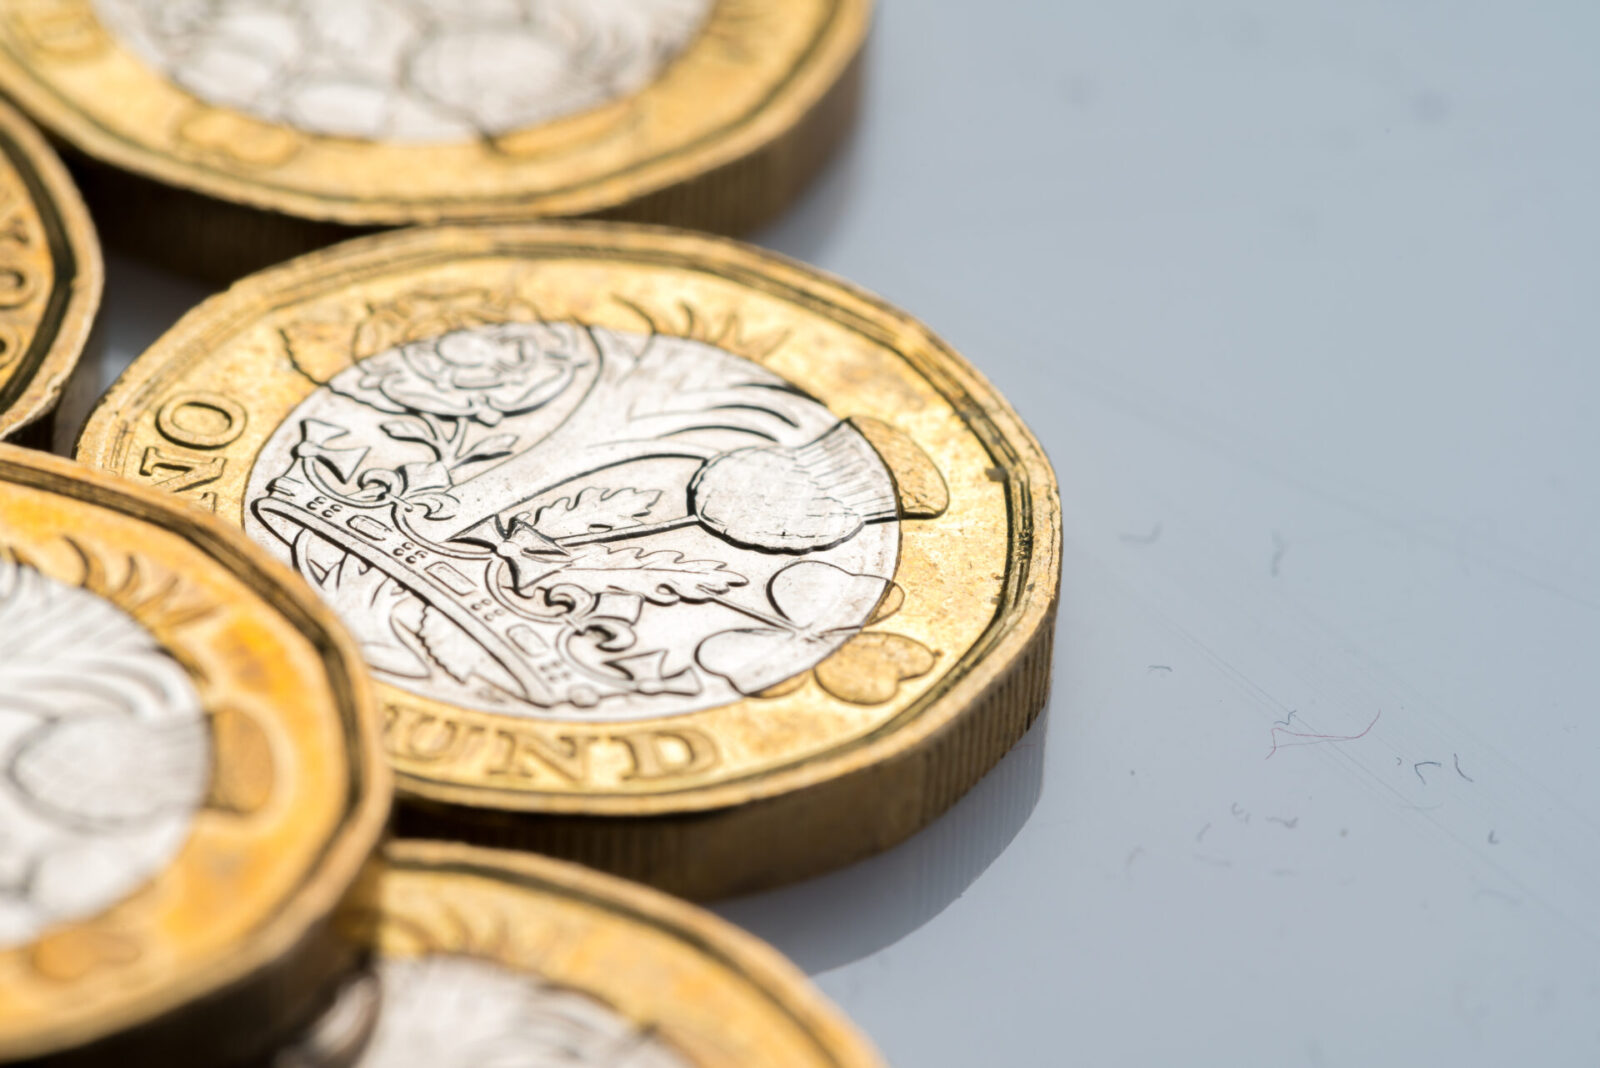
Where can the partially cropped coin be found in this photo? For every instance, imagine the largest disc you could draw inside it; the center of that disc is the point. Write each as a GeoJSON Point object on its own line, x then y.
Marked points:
{"type": "Point", "coordinates": [189, 779]}
{"type": "Point", "coordinates": [50, 275]}
{"type": "Point", "coordinates": [488, 959]}
{"type": "Point", "coordinates": [250, 127]}
{"type": "Point", "coordinates": [669, 555]}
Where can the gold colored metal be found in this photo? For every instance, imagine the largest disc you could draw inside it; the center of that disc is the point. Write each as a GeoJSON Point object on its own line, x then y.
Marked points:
{"type": "Point", "coordinates": [50, 274]}
{"type": "Point", "coordinates": [481, 955]}
{"type": "Point", "coordinates": [670, 556]}
{"type": "Point", "coordinates": [193, 778]}
{"type": "Point", "coordinates": [744, 101]}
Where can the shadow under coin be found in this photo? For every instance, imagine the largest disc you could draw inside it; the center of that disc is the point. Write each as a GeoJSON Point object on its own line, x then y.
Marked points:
{"type": "Point", "coordinates": [847, 914]}
{"type": "Point", "coordinates": [140, 304]}
{"type": "Point", "coordinates": [805, 229]}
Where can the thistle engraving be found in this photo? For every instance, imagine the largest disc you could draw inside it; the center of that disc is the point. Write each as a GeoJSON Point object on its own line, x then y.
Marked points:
{"type": "Point", "coordinates": [105, 754]}
{"type": "Point", "coordinates": [445, 1011]}
{"type": "Point", "coordinates": [558, 520]}
{"type": "Point", "coordinates": [407, 70]}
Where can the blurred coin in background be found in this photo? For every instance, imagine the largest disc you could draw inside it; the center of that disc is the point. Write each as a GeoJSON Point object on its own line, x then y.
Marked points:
{"type": "Point", "coordinates": [224, 135]}
{"type": "Point", "coordinates": [189, 778]}
{"type": "Point", "coordinates": [488, 959]}
{"type": "Point", "coordinates": [50, 277]}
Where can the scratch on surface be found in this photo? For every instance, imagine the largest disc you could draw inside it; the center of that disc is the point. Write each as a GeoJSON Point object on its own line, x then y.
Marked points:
{"type": "Point", "coordinates": [1279, 547]}
{"type": "Point", "coordinates": [1215, 862]}
{"type": "Point", "coordinates": [1419, 765]}
{"type": "Point", "coordinates": [1137, 852]}
{"type": "Point", "coordinates": [1202, 833]}
{"type": "Point", "coordinates": [1160, 667]}
{"type": "Point", "coordinates": [1290, 824]}
{"type": "Point", "coordinates": [1314, 739]}
{"type": "Point", "coordinates": [1459, 772]}
{"type": "Point", "coordinates": [1239, 814]}
{"type": "Point", "coordinates": [1142, 539]}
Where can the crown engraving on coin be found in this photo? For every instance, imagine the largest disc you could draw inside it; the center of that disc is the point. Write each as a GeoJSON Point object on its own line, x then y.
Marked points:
{"type": "Point", "coordinates": [552, 518]}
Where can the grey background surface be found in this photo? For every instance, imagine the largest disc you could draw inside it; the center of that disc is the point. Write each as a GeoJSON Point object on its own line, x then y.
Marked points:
{"type": "Point", "coordinates": [1301, 298]}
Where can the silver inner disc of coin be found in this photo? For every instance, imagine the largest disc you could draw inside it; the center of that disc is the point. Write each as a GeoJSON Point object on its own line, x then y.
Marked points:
{"type": "Point", "coordinates": [561, 521]}
{"type": "Point", "coordinates": [462, 1012]}
{"type": "Point", "coordinates": [407, 70]}
{"type": "Point", "coordinates": [105, 754]}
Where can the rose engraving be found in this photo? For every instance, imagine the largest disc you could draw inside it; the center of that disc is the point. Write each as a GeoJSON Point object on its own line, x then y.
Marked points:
{"type": "Point", "coordinates": [482, 374]}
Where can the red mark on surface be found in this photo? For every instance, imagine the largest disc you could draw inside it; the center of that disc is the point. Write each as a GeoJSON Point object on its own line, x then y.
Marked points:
{"type": "Point", "coordinates": [1314, 739]}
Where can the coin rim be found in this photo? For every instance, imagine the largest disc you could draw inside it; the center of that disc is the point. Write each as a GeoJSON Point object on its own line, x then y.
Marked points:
{"type": "Point", "coordinates": [77, 270]}
{"type": "Point", "coordinates": [770, 972]}
{"type": "Point", "coordinates": [284, 933]}
{"type": "Point", "coordinates": [770, 127]}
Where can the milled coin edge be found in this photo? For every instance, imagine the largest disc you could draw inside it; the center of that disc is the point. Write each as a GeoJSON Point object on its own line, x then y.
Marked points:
{"type": "Point", "coordinates": [84, 283]}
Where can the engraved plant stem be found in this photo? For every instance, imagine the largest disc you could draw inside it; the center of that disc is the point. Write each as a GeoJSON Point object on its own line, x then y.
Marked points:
{"type": "Point", "coordinates": [580, 446]}
{"type": "Point", "coordinates": [562, 460]}
{"type": "Point", "coordinates": [436, 434]}
{"type": "Point", "coordinates": [458, 440]}
{"type": "Point", "coordinates": [641, 530]}
{"type": "Point", "coordinates": [776, 622]}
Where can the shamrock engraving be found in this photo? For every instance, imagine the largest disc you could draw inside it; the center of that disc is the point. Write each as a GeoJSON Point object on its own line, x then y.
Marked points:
{"type": "Point", "coordinates": [818, 607]}
{"type": "Point", "coordinates": [869, 667]}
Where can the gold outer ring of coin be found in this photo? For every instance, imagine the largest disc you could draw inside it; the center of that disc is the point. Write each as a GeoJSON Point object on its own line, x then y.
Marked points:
{"type": "Point", "coordinates": [227, 945]}
{"type": "Point", "coordinates": [556, 954]}
{"type": "Point", "coordinates": [738, 726]}
{"type": "Point", "coordinates": [724, 137]}
{"type": "Point", "coordinates": [50, 274]}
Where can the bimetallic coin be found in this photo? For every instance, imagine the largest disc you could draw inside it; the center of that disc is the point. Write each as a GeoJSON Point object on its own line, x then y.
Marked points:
{"type": "Point", "coordinates": [487, 959]}
{"type": "Point", "coordinates": [724, 570]}
{"type": "Point", "coordinates": [50, 275]}
{"type": "Point", "coordinates": [704, 113]}
{"type": "Point", "coordinates": [189, 778]}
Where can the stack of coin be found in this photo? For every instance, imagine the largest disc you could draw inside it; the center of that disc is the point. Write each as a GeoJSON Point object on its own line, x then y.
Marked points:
{"type": "Point", "coordinates": [624, 545]}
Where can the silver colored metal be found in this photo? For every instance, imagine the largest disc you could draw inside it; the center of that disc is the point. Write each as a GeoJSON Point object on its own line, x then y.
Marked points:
{"type": "Point", "coordinates": [407, 70]}
{"type": "Point", "coordinates": [105, 753]}
{"type": "Point", "coordinates": [556, 520]}
{"type": "Point", "coordinates": [462, 1012]}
